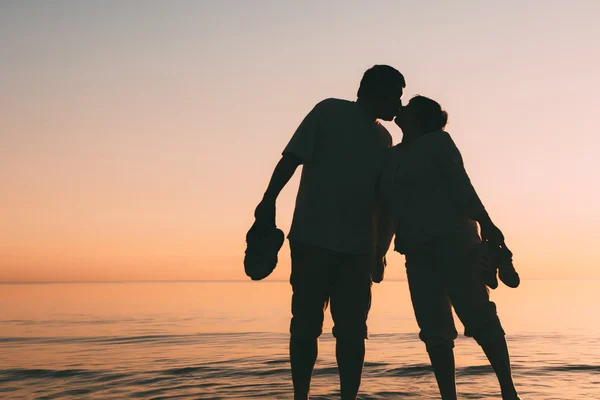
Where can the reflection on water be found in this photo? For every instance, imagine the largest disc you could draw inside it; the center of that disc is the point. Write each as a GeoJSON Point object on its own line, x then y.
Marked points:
{"type": "Point", "coordinates": [229, 340]}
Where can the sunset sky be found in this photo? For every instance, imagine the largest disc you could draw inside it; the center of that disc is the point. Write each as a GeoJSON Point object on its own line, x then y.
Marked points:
{"type": "Point", "coordinates": [137, 137]}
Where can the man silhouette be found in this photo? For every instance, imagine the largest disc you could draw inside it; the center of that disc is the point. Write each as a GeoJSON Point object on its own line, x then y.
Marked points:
{"type": "Point", "coordinates": [334, 232]}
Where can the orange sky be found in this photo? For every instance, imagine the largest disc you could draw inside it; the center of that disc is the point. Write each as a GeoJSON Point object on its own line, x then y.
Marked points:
{"type": "Point", "coordinates": [135, 141]}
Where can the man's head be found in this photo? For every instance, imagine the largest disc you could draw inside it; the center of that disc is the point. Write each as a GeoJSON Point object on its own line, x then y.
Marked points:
{"type": "Point", "coordinates": [380, 90]}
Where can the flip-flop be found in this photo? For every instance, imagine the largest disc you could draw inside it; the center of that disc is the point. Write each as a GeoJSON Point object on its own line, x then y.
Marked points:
{"type": "Point", "coordinates": [506, 269]}
{"type": "Point", "coordinates": [488, 268]}
{"type": "Point", "coordinates": [496, 262]}
{"type": "Point", "coordinates": [262, 248]}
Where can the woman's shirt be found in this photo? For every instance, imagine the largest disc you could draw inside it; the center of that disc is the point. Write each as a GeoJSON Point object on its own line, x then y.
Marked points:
{"type": "Point", "coordinates": [427, 191]}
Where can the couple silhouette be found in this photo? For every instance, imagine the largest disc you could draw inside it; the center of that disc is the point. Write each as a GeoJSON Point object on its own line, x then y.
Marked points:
{"type": "Point", "coordinates": [356, 194]}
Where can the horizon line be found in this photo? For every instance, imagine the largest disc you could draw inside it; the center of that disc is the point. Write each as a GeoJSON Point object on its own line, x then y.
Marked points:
{"type": "Point", "coordinates": [226, 281]}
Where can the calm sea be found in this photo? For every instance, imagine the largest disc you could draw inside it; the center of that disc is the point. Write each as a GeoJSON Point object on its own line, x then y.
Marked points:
{"type": "Point", "coordinates": [229, 341]}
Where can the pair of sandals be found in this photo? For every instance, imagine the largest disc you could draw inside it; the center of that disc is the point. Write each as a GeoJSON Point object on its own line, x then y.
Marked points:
{"type": "Point", "coordinates": [496, 262]}
{"type": "Point", "coordinates": [262, 246]}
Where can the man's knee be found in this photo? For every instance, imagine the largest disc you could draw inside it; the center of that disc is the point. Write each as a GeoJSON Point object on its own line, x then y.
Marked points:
{"type": "Point", "coordinates": [308, 313]}
{"type": "Point", "coordinates": [357, 331]}
{"type": "Point", "coordinates": [306, 329]}
{"type": "Point", "coordinates": [350, 315]}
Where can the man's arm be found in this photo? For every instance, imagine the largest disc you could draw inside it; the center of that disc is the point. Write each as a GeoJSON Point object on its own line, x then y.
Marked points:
{"type": "Point", "coordinates": [265, 211]}
{"type": "Point", "coordinates": [384, 234]}
{"type": "Point", "coordinates": [299, 150]}
{"type": "Point", "coordinates": [385, 226]}
{"type": "Point", "coordinates": [281, 175]}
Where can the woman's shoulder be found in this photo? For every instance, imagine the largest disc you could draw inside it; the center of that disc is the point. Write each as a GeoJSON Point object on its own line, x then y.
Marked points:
{"type": "Point", "coordinates": [437, 136]}
{"type": "Point", "coordinates": [439, 140]}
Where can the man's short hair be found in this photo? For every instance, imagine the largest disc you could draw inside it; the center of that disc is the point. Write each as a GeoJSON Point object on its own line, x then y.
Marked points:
{"type": "Point", "coordinates": [378, 79]}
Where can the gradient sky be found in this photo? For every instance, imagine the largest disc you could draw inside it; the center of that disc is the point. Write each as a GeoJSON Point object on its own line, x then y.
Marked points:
{"type": "Point", "coordinates": [137, 137]}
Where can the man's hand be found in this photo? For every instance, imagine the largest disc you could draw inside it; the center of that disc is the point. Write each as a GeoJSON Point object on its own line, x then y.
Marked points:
{"type": "Point", "coordinates": [265, 215]}
{"type": "Point", "coordinates": [378, 268]}
{"type": "Point", "coordinates": [265, 211]}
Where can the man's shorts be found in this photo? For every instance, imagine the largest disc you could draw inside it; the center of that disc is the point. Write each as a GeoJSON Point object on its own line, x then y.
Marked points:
{"type": "Point", "coordinates": [320, 276]}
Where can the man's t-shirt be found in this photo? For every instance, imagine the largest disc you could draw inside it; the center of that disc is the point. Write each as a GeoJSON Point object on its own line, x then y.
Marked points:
{"type": "Point", "coordinates": [343, 156]}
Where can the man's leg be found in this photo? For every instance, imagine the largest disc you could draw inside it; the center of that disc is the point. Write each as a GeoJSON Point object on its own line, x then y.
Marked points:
{"type": "Point", "coordinates": [303, 355]}
{"type": "Point", "coordinates": [350, 355]}
{"type": "Point", "coordinates": [350, 304]}
{"type": "Point", "coordinates": [310, 298]}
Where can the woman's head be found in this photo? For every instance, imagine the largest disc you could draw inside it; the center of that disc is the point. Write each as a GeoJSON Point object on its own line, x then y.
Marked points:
{"type": "Point", "coordinates": [422, 115]}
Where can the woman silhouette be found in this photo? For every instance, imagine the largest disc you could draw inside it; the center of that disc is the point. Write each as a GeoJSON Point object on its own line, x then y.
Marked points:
{"type": "Point", "coordinates": [435, 210]}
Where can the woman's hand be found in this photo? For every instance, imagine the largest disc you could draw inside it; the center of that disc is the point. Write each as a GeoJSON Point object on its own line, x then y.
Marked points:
{"type": "Point", "coordinates": [491, 233]}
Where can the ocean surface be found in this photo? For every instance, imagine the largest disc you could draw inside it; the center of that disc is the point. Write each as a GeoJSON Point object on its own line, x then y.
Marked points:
{"type": "Point", "coordinates": [212, 340]}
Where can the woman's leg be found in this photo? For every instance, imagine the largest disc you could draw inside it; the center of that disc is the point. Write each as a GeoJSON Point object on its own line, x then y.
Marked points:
{"type": "Point", "coordinates": [470, 298]}
{"type": "Point", "coordinates": [442, 362]}
{"type": "Point", "coordinates": [497, 353]}
{"type": "Point", "coordinates": [434, 315]}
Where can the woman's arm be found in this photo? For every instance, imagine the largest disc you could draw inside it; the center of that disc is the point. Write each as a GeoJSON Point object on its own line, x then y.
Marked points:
{"type": "Point", "coordinates": [450, 164]}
